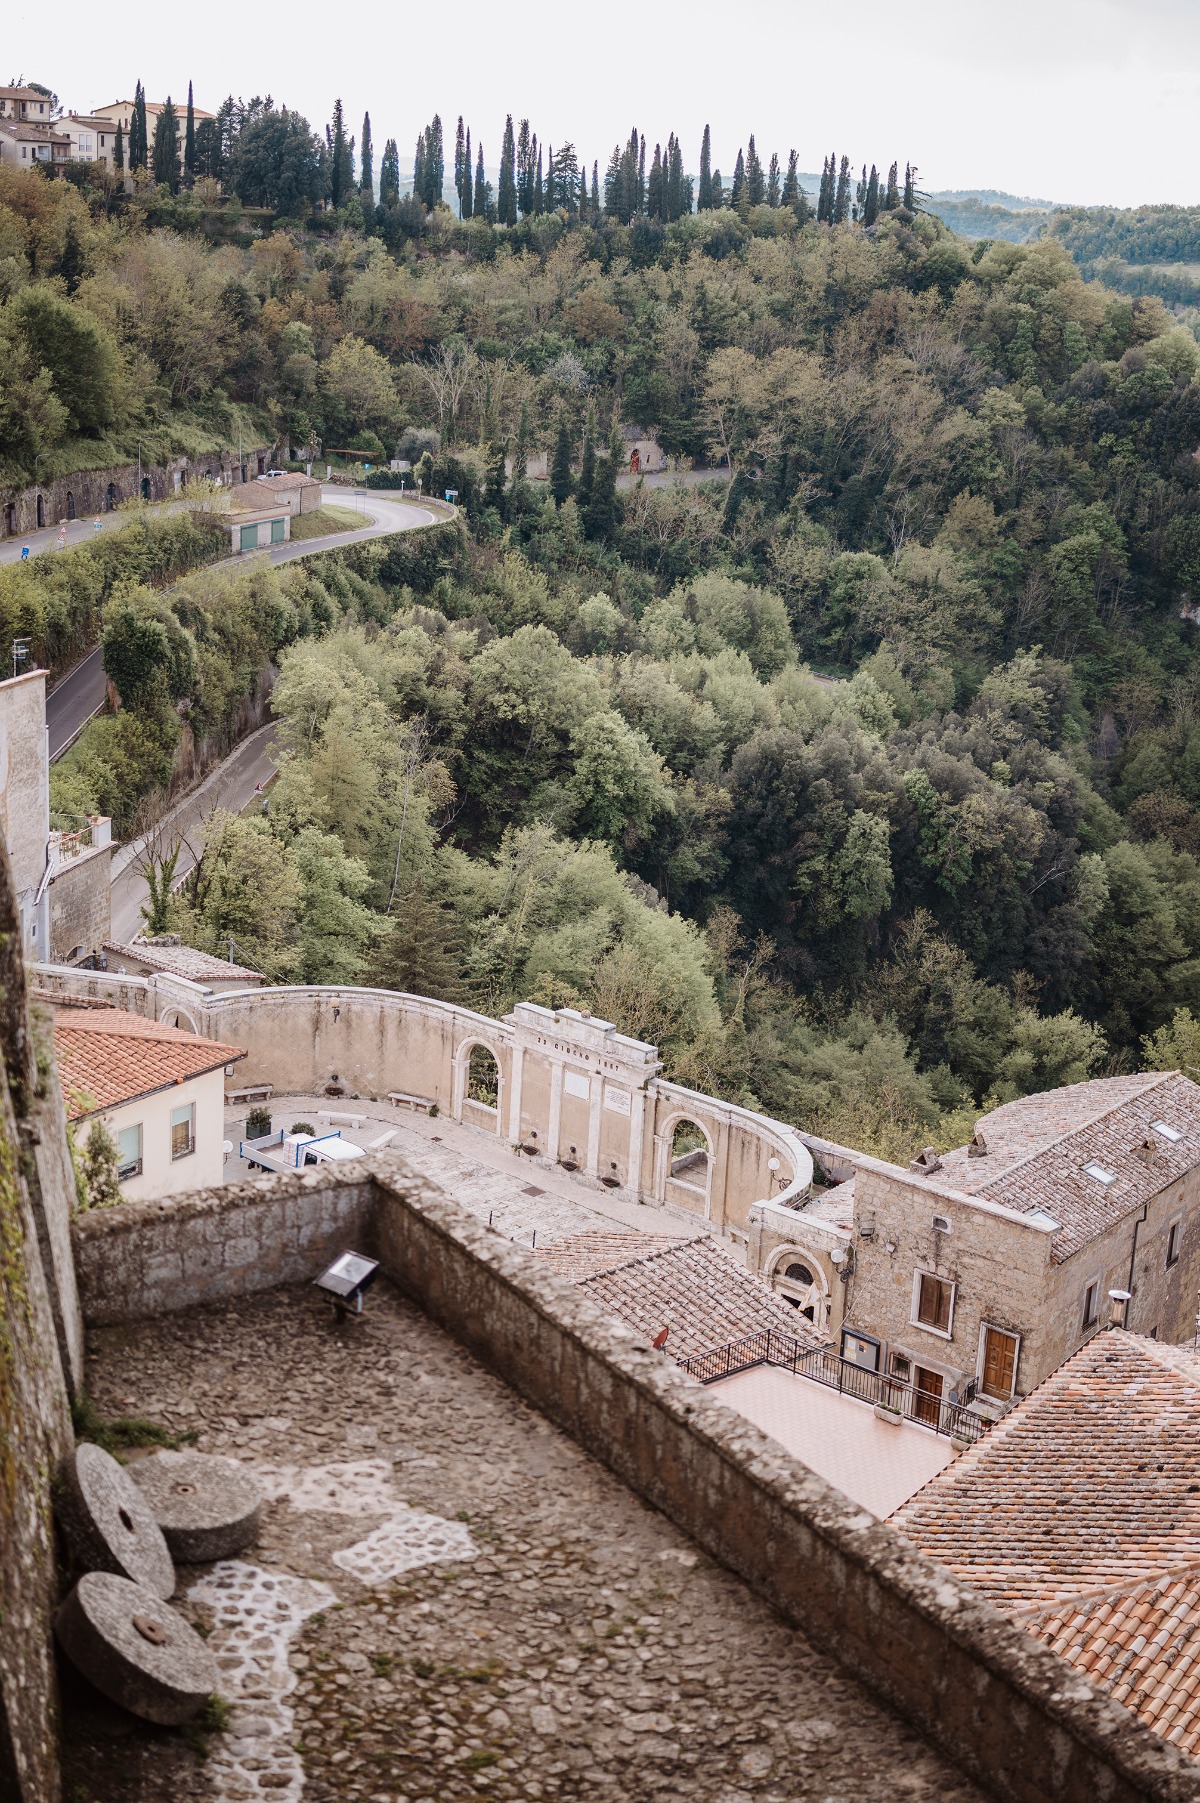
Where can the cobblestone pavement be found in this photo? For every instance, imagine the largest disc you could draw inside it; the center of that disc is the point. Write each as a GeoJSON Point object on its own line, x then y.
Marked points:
{"type": "Point", "coordinates": [496, 1617]}
{"type": "Point", "coordinates": [518, 1197]}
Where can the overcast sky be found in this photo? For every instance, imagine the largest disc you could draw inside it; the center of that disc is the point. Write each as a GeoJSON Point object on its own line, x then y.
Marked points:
{"type": "Point", "coordinates": [1072, 100]}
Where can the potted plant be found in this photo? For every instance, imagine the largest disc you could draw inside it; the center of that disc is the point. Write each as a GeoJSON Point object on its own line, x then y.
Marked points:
{"type": "Point", "coordinates": [889, 1412]}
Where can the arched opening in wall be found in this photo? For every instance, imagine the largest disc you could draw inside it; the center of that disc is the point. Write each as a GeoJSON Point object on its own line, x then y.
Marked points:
{"type": "Point", "coordinates": [10, 520]}
{"type": "Point", "coordinates": [145, 488]}
{"type": "Point", "coordinates": [110, 497]}
{"type": "Point", "coordinates": [41, 511]}
{"type": "Point", "coordinates": [483, 1078]}
{"type": "Point", "coordinates": [182, 1021]}
{"type": "Point", "coordinates": [686, 1165]}
{"type": "Point", "coordinates": [70, 505]}
{"type": "Point", "coordinates": [799, 1280]}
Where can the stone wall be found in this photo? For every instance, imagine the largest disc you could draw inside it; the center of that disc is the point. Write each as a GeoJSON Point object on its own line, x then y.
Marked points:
{"type": "Point", "coordinates": [84, 493]}
{"type": "Point", "coordinates": [38, 1319]}
{"type": "Point", "coordinates": [81, 905]}
{"type": "Point", "coordinates": [997, 1701]}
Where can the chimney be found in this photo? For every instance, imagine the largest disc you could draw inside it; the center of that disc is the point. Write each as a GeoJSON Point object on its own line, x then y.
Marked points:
{"type": "Point", "coordinates": [926, 1162]}
{"type": "Point", "coordinates": [1147, 1151]}
{"type": "Point", "coordinates": [978, 1147]}
{"type": "Point", "coordinates": [1120, 1302]}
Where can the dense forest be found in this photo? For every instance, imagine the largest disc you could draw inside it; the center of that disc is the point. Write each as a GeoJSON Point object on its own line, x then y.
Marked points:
{"type": "Point", "coordinates": [575, 747]}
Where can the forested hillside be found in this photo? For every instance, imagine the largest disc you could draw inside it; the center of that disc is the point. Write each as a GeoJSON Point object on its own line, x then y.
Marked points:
{"type": "Point", "coordinates": [576, 754]}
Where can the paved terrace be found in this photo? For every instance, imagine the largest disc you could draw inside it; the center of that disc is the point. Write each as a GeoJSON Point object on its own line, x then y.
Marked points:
{"type": "Point", "coordinates": [551, 1636]}
{"type": "Point", "coordinates": [518, 1198]}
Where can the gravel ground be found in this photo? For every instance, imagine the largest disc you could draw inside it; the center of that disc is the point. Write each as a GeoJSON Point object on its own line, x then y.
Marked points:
{"type": "Point", "coordinates": [450, 1600]}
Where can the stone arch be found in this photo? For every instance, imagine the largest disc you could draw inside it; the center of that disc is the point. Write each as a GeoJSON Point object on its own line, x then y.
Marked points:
{"type": "Point", "coordinates": [468, 1107]}
{"type": "Point", "coordinates": [683, 1166]}
{"type": "Point", "coordinates": [179, 1017]}
{"type": "Point", "coordinates": [799, 1277]}
{"type": "Point", "coordinates": [70, 505]}
{"type": "Point", "coordinates": [145, 488]}
{"type": "Point", "coordinates": [10, 520]}
{"type": "Point", "coordinates": [41, 510]}
{"type": "Point", "coordinates": [110, 497]}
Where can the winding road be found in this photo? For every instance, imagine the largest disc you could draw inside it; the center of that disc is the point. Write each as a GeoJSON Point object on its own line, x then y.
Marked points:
{"type": "Point", "coordinates": [79, 694]}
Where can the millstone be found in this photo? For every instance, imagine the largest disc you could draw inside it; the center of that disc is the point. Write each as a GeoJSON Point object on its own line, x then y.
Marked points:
{"type": "Point", "coordinates": [207, 1507]}
{"type": "Point", "coordinates": [136, 1649]}
{"type": "Point", "coordinates": [109, 1524]}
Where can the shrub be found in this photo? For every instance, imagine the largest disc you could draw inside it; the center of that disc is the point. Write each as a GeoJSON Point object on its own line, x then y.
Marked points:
{"type": "Point", "coordinates": [258, 1123]}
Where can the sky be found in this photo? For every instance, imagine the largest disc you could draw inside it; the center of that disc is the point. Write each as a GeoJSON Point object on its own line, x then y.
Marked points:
{"type": "Point", "coordinates": [1084, 101]}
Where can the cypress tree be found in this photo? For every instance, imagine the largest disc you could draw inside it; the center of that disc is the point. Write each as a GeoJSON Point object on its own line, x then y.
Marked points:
{"type": "Point", "coordinates": [871, 203]}
{"type": "Point", "coordinates": [539, 187]}
{"type": "Point", "coordinates": [824, 198]}
{"type": "Point", "coordinates": [549, 195]}
{"type": "Point", "coordinates": [718, 189]}
{"type": "Point", "coordinates": [841, 204]}
{"type": "Point", "coordinates": [893, 188]}
{"type": "Point", "coordinates": [640, 207]}
{"type": "Point", "coordinates": [366, 178]}
{"type": "Point", "coordinates": [418, 180]}
{"type": "Point", "coordinates": [910, 185]}
{"type": "Point", "coordinates": [756, 187]}
{"type": "Point", "coordinates": [524, 170]}
{"type": "Point", "coordinates": [773, 188]}
{"type": "Point", "coordinates": [704, 196]}
{"type": "Point", "coordinates": [560, 468]}
{"type": "Point", "coordinates": [587, 462]}
{"type": "Point", "coordinates": [336, 139]}
{"type": "Point", "coordinates": [521, 448]}
{"type": "Point", "coordinates": [119, 151]}
{"type": "Point", "coordinates": [738, 192]}
{"type": "Point", "coordinates": [596, 192]}
{"type": "Point", "coordinates": [655, 205]}
{"type": "Point", "coordinates": [189, 143]}
{"type": "Point", "coordinates": [481, 194]}
{"type": "Point", "coordinates": [506, 196]}
{"type": "Point", "coordinates": [389, 175]}
{"type": "Point", "coordinates": [435, 164]}
{"type": "Point", "coordinates": [791, 182]}
{"type": "Point", "coordinates": [166, 148]}
{"type": "Point", "coordinates": [459, 158]}
{"type": "Point", "coordinates": [600, 514]}
{"type": "Point", "coordinates": [675, 182]}
{"type": "Point", "coordinates": [466, 200]}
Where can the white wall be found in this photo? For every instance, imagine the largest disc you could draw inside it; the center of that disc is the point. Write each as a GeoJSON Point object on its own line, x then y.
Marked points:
{"type": "Point", "coordinates": [161, 1174]}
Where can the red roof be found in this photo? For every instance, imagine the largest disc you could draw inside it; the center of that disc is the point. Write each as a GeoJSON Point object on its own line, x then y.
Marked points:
{"type": "Point", "coordinates": [106, 1057]}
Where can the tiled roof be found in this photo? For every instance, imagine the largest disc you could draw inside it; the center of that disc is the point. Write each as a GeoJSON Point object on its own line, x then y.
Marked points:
{"type": "Point", "coordinates": [183, 961]}
{"type": "Point", "coordinates": [1140, 1645]}
{"type": "Point", "coordinates": [290, 479]}
{"type": "Point", "coordinates": [33, 131]}
{"type": "Point", "coordinates": [1079, 1515]}
{"type": "Point", "coordinates": [106, 1057]}
{"type": "Point", "coordinates": [1038, 1146]}
{"type": "Point", "coordinates": [1091, 1483]}
{"type": "Point", "coordinates": [693, 1287]}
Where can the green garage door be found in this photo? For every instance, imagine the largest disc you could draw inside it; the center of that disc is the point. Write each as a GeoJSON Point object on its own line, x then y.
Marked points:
{"type": "Point", "coordinates": [276, 532]}
{"type": "Point", "coordinates": [249, 538]}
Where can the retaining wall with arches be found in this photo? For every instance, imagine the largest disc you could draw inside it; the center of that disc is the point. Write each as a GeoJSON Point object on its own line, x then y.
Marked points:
{"type": "Point", "coordinates": [570, 1089]}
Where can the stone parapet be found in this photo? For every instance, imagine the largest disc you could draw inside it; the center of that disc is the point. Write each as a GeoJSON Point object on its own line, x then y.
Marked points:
{"type": "Point", "coordinates": [996, 1701]}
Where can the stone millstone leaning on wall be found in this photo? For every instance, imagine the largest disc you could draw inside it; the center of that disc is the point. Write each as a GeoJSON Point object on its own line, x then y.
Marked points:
{"type": "Point", "coordinates": [40, 1344]}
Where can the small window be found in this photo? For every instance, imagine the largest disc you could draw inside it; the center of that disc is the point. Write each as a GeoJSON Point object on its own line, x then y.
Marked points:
{"type": "Point", "coordinates": [934, 1303]}
{"type": "Point", "coordinates": [183, 1131]}
{"type": "Point", "coordinates": [1100, 1174]}
{"type": "Point", "coordinates": [940, 1224]}
{"type": "Point", "coordinates": [900, 1366]}
{"type": "Point", "coordinates": [129, 1152]}
{"type": "Point", "coordinates": [1091, 1304]}
{"type": "Point", "coordinates": [1171, 1133]}
{"type": "Point", "coordinates": [799, 1273]}
{"type": "Point", "coordinates": [1174, 1236]}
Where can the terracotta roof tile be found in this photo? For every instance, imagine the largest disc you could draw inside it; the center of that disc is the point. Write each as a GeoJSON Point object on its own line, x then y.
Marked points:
{"type": "Point", "coordinates": [183, 961]}
{"type": "Point", "coordinates": [1079, 1515]}
{"type": "Point", "coordinates": [694, 1287]}
{"type": "Point", "coordinates": [1038, 1146]}
{"type": "Point", "coordinates": [106, 1057]}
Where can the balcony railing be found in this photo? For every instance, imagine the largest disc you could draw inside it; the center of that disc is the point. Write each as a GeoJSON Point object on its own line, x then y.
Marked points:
{"type": "Point", "coordinates": [823, 1366]}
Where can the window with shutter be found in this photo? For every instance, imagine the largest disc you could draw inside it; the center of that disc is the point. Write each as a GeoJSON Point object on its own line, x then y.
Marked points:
{"type": "Point", "coordinates": [935, 1301]}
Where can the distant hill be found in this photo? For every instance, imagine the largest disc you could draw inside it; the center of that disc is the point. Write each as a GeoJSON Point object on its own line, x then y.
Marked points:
{"type": "Point", "coordinates": [1005, 217]}
{"type": "Point", "coordinates": [995, 197]}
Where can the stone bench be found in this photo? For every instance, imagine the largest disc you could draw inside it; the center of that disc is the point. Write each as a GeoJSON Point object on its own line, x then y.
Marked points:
{"type": "Point", "coordinates": [333, 1119]}
{"type": "Point", "coordinates": [400, 1098]}
{"type": "Point", "coordinates": [254, 1092]}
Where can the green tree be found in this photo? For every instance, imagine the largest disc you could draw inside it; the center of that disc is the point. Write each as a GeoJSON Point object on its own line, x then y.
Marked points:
{"type": "Point", "coordinates": [71, 346]}
{"type": "Point", "coordinates": [389, 175]}
{"type": "Point", "coordinates": [618, 781]}
{"type": "Point", "coordinates": [119, 149]}
{"type": "Point", "coordinates": [166, 148]}
{"type": "Point", "coordinates": [506, 193]}
{"type": "Point", "coordinates": [704, 193]}
{"type": "Point", "coordinates": [189, 143]}
{"type": "Point", "coordinates": [98, 1168]}
{"type": "Point", "coordinates": [423, 952]}
{"type": "Point", "coordinates": [561, 484]}
{"type": "Point", "coordinates": [587, 462]}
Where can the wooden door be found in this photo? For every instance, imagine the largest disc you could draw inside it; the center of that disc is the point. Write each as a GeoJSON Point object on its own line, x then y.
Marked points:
{"type": "Point", "coordinates": [927, 1395]}
{"type": "Point", "coordinates": [999, 1363]}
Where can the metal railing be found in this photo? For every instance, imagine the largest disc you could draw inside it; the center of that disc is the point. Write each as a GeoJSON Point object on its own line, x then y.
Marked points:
{"type": "Point", "coordinates": [824, 1366]}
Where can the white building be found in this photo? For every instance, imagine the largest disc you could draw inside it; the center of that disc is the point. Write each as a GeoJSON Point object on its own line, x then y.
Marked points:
{"type": "Point", "coordinates": [159, 1092]}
